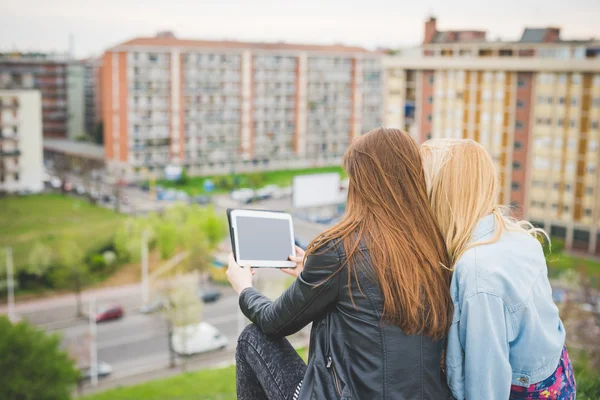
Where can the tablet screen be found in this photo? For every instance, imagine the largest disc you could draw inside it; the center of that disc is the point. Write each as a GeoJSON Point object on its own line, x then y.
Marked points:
{"type": "Point", "coordinates": [265, 239]}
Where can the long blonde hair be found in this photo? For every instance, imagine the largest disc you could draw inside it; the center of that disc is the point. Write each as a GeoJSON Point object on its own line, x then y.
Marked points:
{"type": "Point", "coordinates": [463, 187]}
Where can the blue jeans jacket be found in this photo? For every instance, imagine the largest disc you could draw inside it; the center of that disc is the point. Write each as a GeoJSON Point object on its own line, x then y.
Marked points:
{"type": "Point", "coordinates": [506, 329]}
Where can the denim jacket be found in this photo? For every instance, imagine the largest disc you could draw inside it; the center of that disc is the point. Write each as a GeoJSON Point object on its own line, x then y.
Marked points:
{"type": "Point", "coordinates": [506, 329]}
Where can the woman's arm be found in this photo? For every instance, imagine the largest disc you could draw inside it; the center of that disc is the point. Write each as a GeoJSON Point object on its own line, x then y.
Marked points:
{"type": "Point", "coordinates": [483, 333]}
{"type": "Point", "coordinates": [312, 293]}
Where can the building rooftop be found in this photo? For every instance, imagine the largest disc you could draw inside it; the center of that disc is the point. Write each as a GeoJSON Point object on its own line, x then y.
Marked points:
{"type": "Point", "coordinates": [34, 57]}
{"type": "Point", "coordinates": [71, 147]}
{"type": "Point", "coordinates": [169, 40]}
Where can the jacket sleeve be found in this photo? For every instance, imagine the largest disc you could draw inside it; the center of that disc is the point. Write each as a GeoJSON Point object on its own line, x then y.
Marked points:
{"type": "Point", "coordinates": [483, 332]}
{"type": "Point", "coordinates": [312, 293]}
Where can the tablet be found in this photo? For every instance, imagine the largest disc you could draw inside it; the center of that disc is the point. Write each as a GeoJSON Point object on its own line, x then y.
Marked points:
{"type": "Point", "coordinates": [262, 238]}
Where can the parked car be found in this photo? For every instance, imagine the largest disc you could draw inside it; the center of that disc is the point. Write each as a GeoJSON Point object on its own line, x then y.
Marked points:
{"type": "Point", "coordinates": [102, 369]}
{"type": "Point", "coordinates": [55, 182]}
{"type": "Point", "coordinates": [209, 296]}
{"type": "Point", "coordinates": [153, 306]}
{"type": "Point", "coordinates": [80, 190]}
{"type": "Point", "coordinates": [243, 195]}
{"type": "Point", "coordinates": [196, 339]}
{"type": "Point", "coordinates": [108, 313]}
{"type": "Point", "coordinates": [202, 200]}
{"type": "Point", "coordinates": [263, 194]}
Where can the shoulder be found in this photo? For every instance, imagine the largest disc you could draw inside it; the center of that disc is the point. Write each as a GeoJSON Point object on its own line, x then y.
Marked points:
{"type": "Point", "coordinates": [506, 268]}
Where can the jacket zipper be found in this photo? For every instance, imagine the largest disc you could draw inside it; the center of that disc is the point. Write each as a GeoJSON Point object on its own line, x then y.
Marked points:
{"type": "Point", "coordinates": [335, 377]}
{"type": "Point", "coordinates": [330, 363]}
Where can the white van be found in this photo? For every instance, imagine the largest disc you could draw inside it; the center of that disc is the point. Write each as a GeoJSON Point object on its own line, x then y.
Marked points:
{"type": "Point", "coordinates": [197, 338]}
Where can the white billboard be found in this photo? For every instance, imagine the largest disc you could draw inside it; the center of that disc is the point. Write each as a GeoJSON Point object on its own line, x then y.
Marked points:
{"type": "Point", "coordinates": [316, 190]}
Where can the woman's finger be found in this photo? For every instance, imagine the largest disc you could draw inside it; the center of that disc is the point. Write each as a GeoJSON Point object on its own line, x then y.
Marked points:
{"type": "Point", "coordinates": [300, 252]}
{"type": "Point", "coordinates": [289, 271]}
{"type": "Point", "coordinates": [296, 259]}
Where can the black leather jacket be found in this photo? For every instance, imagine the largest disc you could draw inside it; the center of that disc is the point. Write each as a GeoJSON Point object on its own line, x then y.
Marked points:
{"type": "Point", "coordinates": [352, 355]}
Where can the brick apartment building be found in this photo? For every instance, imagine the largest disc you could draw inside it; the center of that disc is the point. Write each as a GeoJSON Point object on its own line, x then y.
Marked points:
{"type": "Point", "coordinates": [211, 106]}
{"type": "Point", "coordinates": [533, 103]}
{"type": "Point", "coordinates": [46, 73]}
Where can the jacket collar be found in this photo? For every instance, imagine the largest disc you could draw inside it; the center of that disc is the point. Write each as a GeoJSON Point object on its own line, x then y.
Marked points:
{"type": "Point", "coordinates": [484, 226]}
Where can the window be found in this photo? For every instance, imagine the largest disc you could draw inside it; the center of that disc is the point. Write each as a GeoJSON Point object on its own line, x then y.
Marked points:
{"type": "Point", "coordinates": [572, 123]}
{"type": "Point", "coordinates": [518, 145]}
{"type": "Point", "coordinates": [594, 124]}
{"type": "Point", "coordinates": [521, 82]}
{"type": "Point", "coordinates": [561, 100]}
{"type": "Point", "coordinates": [589, 190]}
{"type": "Point", "coordinates": [520, 104]}
{"type": "Point", "coordinates": [430, 99]}
{"type": "Point", "coordinates": [567, 187]}
{"type": "Point", "coordinates": [596, 101]}
{"type": "Point", "coordinates": [576, 78]}
{"type": "Point", "coordinates": [519, 125]}
{"type": "Point", "coordinates": [554, 206]}
{"type": "Point", "coordinates": [588, 212]}
{"type": "Point", "coordinates": [540, 100]}
{"type": "Point", "coordinates": [516, 186]}
{"type": "Point", "coordinates": [429, 118]}
{"type": "Point", "coordinates": [516, 165]}
{"type": "Point", "coordinates": [431, 79]}
{"type": "Point", "coordinates": [566, 208]}
{"type": "Point", "coordinates": [549, 99]}
{"type": "Point", "coordinates": [428, 136]}
{"type": "Point", "coordinates": [560, 122]}
{"type": "Point", "coordinates": [562, 78]}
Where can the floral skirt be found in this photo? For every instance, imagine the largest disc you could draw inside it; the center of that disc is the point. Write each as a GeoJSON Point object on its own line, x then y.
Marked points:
{"type": "Point", "coordinates": [559, 386]}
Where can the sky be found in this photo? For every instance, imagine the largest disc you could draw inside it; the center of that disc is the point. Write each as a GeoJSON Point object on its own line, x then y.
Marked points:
{"type": "Point", "coordinates": [45, 25]}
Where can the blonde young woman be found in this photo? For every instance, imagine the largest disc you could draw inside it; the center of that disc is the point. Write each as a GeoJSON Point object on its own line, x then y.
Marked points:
{"type": "Point", "coordinates": [507, 340]}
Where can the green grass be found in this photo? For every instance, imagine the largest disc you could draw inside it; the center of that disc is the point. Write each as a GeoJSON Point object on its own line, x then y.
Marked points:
{"type": "Point", "coordinates": [208, 384]}
{"type": "Point", "coordinates": [282, 178]}
{"type": "Point", "coordinates": [45, 218]}
{"type": "Point", "coordinates": [562, 261]}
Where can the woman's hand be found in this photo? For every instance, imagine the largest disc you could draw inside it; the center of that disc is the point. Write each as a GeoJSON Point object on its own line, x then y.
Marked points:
{"type": "Point", "coordinates": [299, 260]}
{"type": "Point", "coordinates": [240, 278]}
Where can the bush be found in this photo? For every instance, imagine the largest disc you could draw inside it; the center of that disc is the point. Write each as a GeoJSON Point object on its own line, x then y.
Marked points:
{"type": "Point", "coordinates": [32, 364]}
{"type": "Point", "coordinates": [97, 262]}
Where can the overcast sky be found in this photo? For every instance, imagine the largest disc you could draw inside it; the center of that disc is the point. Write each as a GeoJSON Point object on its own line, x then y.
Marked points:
{"type": "Point", "coordinates": [96, 25]}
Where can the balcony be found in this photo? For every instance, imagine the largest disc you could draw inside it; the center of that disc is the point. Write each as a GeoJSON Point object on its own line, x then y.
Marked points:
{"type": "Point", "coordinates": [9, 136]}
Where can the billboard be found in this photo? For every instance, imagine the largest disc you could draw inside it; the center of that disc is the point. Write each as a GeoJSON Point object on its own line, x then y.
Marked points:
{"type": "Point", "coordinates": [316, 190]}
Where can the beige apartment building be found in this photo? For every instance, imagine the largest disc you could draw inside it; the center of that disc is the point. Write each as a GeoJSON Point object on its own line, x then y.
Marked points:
{"type": "Point", "coordinates": [534, 104]}
{"type": "Point", "coordinates": [215, 106]}
{"type": "Point", "coordinates": [21, 163]}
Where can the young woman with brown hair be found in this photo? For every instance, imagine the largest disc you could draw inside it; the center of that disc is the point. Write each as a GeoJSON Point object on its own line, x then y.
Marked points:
{"type": "Point", "coordinates": [374, 286]}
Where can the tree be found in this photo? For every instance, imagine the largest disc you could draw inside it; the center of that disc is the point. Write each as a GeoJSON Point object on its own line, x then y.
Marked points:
{"type": "Point", "coordinates": [40, 259]}
{"type": "Point", "coordinates": [71, 270]}
{"type": "Point", "coordinates": [183, 308]}
{"type": "Point", "coordinates": [33, 365]}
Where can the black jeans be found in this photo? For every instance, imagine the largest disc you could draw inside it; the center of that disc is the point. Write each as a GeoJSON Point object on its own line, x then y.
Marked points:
{"type": "Point", "coordinates": [266, 368]}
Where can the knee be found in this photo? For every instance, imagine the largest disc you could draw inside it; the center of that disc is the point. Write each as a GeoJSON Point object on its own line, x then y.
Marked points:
{"type": "Point", "coordinates": [251, 333]}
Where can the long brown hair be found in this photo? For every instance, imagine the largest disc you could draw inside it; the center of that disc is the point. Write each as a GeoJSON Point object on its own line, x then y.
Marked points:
{"type": "Point", "coordinates": [389, 212]}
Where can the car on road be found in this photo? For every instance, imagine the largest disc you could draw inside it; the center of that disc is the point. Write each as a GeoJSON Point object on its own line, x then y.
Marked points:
{"type": "Point", "coordinates": [55, 182]}
{"type": "Point", "coordinates": [102, 369]}
{"type": "Point", "coordinates": [243, 195]}
{"type": "Point", "coordinates": [209, 295]}
{"type": "Point", "coordinates": [108, 313]}
{"type": "Point", "coordinates": [202, 200]}
{"type": "Point", "coordinates": [153, 306]}
{"type": "Point", "coordinates": [80, 190]}
{"type": "Point", "coordinates": [197, 338]}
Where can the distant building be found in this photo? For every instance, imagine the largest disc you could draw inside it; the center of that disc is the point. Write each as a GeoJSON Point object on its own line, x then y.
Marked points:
{"type": "Point", "coordinates": [76, 100]}
{"type": "Point", "coordinates": [21, 164]}
{"type": "Point", "coordinates": [214, 106]}
{"type": "Point", "coordinates": [91, 84]}
{"type": "Point", "coordinates": [46, 73]}
{"type": "Point", "coordinates": [533, 103]}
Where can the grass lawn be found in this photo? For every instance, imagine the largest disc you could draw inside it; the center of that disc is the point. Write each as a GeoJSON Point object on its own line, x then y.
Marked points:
{"type": "Point", "coordinates": [27, 220]}
{"type": "Point", "coordinates": [208, 384]}
{"type": "Point", "coordinates": [281, 178]}
{"type": "Point", "coordinates": [562, 261]}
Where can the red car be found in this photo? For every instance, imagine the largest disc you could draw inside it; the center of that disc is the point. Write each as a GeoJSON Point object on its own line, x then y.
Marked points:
{"type": "Point", "coordinates": [109, 312]}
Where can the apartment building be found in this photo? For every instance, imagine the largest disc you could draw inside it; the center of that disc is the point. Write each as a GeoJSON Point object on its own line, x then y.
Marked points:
{"type": "Point", "coordinates": [90, 88]}
{"type": "Point", "coordinates": [534, 104]}
{"type": "Point", "coordinates": [46, 73]}
{"type": "Point", "coordinates": [212, 106]}
{"type": "Point", "coordinates": [21, 165]}
{"type": "Point", "coordinates": [76, 101]}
